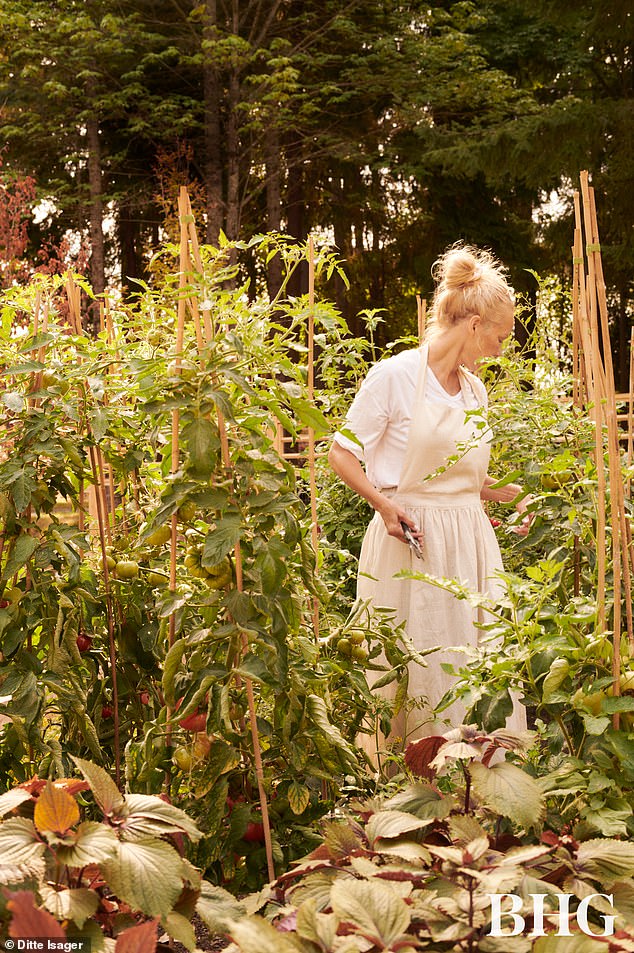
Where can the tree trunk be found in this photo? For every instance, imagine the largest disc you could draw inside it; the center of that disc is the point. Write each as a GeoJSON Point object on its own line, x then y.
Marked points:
{"type": "Point", "coordinates": [296, 219]}
{"type": "Point", "coordinates": [97, 253]}
{"type": "Point", "coordinates": [233, 159]}
{"type": "Point", "coordinates": [622, 362]}
{"type": "Point", "coordinates": [213, 145]}
{"type": "Point", "coordinates": [233, 143]}
{"type": "Point", "coordinates": [273, 204]}
{"type": "Point", "coordinates": [343, 243]}
{"type": "Point", "coordinates": [129, 240]}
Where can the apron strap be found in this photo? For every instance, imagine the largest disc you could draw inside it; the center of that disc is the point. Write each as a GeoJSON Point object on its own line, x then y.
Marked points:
{"type": "Point", "coordinates": [418, 403]}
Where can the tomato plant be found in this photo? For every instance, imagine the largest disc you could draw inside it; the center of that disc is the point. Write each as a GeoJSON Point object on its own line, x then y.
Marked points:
{"type": "Point", "coordinates": [244, 566]}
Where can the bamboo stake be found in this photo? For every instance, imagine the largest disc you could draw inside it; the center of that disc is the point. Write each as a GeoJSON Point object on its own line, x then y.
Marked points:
{"type": "Point", "coordinates": [620, 537]}
{"type": "Point", "coordinates": [96, 462]}
{"type": "Point", "coordinates": [311, 430]}
{"type": "Point", "coordinates": [102, 523]}
{"type": "Point", "coordinates": [577, 262]}
{"type": "Point", "coordinates": [175, 456]}
{"type": "Point", "coordinates": [590, 346]}
{"type": "Point", "coordinates": [37, 377]}
{"type": "Point", "coordinates": [195, 250]}
{"type": "Point", "coordinates": [577, 368]}
{"type": "Point", "coordinates": [188, 220]}
{"type": "Point", "coordinates": [180, 335]}
{"type": "Point", "coordinates": [614, 447]}
{"type": "Point", "coordinates": [617, 489]}
{"type": "Point", "coordinates": [618, 523]}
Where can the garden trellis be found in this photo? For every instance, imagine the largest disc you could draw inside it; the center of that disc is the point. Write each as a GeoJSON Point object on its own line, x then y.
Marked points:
{"type": "Point", "coordinates": [594, 390]}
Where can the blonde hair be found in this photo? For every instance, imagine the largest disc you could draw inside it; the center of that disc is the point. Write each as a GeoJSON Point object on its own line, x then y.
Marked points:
{"type": "Point", "coordinates": [469, 281]}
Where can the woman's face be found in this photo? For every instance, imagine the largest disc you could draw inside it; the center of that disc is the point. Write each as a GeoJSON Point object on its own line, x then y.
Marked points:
{"type": "Point", "coordinates": [487, 337]}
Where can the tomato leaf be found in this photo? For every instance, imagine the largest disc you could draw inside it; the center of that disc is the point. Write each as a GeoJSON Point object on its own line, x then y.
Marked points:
{"type": "Point", "coordinates": [220, 542]}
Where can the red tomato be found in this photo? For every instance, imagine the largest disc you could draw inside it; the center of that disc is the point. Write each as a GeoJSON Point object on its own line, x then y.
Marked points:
{"type": "Point", "coordinates": [254, 833]}
{"type": "Point", "coordinates": [194, 722]}
{"type": "Point", "coordinates": [144, 698]}
{"type": "Point", "coordinates": [107, 712]}
{"type": "Point", "coordinates": [84, 642]}
{"type": "Point", "coordinates": [197, 721]}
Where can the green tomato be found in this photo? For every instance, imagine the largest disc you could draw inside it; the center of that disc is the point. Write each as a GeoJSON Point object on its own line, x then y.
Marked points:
{"type": "Point", "coordinates": [160, 535]}
{"type": "Point", "coordinates": [157, 579]}
{"type": "Point", "coordinates": [591, 702]}
{"type": "Point", "coordinates": [15, 594]}
{"type": "Point", "coordinates": [51, 378]}
{"type": "Point", "coordinates": [359, 653]}
{"type": "Point", "coordinates": [627, 681]}
{"type": "Point", "coordinates": [185, 372]}
{"type": "Point", "coordinates": [127, 569]}
{"type": "Point", "coordinates": [187, 511]}
{"type": "Point", "coordinates": [183, 758]}
{"type": "Point", "coordinates": [557, 479]}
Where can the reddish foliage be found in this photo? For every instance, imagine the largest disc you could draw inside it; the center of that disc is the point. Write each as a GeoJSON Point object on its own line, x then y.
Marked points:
{"type": "Point", "coordinates": [17, 194]}
{"type": "Point", "coordinates": [139, 939]}
{"type": "Point", "coordinates": [17, 199]}
{"type": "Point", "coordinates": [71, 785]}
{"type": "Point", "coordinates": [419, 754]}
{"type": "Point", "coordinates": [27, 921]}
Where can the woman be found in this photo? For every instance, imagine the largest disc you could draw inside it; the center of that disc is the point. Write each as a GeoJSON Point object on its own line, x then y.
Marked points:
{"type": "Point", "coordinates": [420, 430]}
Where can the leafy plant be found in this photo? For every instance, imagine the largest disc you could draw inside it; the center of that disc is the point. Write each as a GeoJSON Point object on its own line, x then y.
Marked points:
{"type": "Point", "coordinates": [103, 656]}
{"type": "Point", "coordinates": [416, 870]}
{"type": "Point", "coordinates": [119, 876]}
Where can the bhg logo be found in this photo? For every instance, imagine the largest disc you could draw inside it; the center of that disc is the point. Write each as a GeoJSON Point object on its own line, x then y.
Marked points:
{"type": "Point", "coordinates": [538, 911]}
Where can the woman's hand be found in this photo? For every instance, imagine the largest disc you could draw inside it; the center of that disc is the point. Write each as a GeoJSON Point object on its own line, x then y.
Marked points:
{"type": "Point", "coordinates": [521, 506]}
{"type": "Point", "coordinates": [506, 494]}
{"type": "Point", "coordinates": [346, 466]}
{"type": "Point", "coordinates": [393, 515]}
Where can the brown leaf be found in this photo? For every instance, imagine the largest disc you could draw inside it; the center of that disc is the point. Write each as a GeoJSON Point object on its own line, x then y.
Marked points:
{"type": "Point", "coordinates": [55, 810]}
{"type": "Point", "coordinates": [28, 921]}
{"type": "Point", "coordinates": [36, 785]}
{"type": "Point", "coordinates": [138, 939]}
{"type": "Point", "coordinates": [72, 785]}
{"type": "Point", "coordinates": [419, 754]}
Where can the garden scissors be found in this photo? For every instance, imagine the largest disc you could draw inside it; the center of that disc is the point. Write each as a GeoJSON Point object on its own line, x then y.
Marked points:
{"type": "Point", "coordinates": [412, 542]}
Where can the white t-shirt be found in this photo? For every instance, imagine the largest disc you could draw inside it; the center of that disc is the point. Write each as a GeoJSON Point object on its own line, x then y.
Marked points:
{"type": "Point", "coordinates": [381, 414]}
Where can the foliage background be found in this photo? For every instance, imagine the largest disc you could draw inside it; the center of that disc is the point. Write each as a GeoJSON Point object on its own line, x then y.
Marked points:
{"type": "Point", "coordinates": [394, 129]}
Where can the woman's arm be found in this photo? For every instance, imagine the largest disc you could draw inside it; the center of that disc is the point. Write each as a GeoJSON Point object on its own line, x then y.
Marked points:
{"type": "Point", "coordinates": [503, 494]}
{"type": "Point", "coordinates": [507, 494]}
{"type": "Point", "coordinates": [349, 469]}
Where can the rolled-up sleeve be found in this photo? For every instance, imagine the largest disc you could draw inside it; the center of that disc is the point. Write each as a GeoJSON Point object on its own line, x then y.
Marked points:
{"type": "Point", "coordinates": [369, 414]}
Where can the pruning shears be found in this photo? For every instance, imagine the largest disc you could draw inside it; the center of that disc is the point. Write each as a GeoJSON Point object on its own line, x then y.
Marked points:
{"type": "Point", "coordinates": [412, 542]}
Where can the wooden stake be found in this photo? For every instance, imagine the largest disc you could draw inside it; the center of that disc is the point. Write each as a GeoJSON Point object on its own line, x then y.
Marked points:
{"type": "Point", "coordinates": [187, 220]}
{"type": "Point", "coordinates": [589, 343]}
{"type": "Point", "coordinates": [96, 462]}
{"type": "Point", "coordinates": [311, 431]}
{"type": "Point", "coordinates": [183, 201]}
{"type": "Point", "coordinates": [620, 540]}
{"type": "Point", "coordinates": [618, 520]}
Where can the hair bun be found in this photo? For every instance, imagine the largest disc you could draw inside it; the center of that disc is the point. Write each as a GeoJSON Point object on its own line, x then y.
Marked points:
{"type": "Point", "coordinates": [461, 266]}
{"type": "Point", "coordinates": [469, 281]}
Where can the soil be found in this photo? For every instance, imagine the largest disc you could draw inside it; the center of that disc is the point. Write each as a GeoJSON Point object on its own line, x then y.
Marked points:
{"type": "Point", "coordinates": [209, 942]}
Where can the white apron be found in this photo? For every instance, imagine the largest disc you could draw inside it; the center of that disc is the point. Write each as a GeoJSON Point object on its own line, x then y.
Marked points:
{"type": "Point", "coordinates": [459, 543]}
